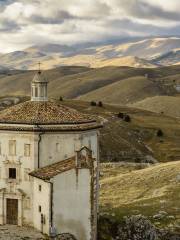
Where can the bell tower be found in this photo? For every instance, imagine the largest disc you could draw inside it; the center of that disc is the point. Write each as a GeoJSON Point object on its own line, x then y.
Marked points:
{"type": "Point", "coordinates": [39, 87]}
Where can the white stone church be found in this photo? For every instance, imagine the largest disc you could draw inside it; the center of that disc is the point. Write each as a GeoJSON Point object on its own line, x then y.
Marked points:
{"type": "Point", "coordinates": [49, 166]}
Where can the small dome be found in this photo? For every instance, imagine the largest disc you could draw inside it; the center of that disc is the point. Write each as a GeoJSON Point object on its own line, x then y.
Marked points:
{"type": "Point", "coordinates": [39, 77]}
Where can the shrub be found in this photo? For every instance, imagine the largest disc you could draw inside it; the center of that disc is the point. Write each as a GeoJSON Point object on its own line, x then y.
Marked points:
{"type": "Point", "coordinates": [160, 133]}
{"type": "Point", "coordinates": [100, 104]}
{"type": "Point", "coordinates": [93, 103]}
{"type": "Point", "coordinates": [120, 115]}
{"type": "Point", "coordinates": [127, 118]}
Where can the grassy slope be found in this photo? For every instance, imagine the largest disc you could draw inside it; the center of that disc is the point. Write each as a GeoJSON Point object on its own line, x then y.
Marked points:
{"type": "Point", "coordinates": [20, 82]}
{"type": "Point", "coordinates": [167, 104]}
{"type": "Point", "coordinates": [137, 139]}
{"type": "Point", "coordinates": [72, 82]}
{"type": "Point", "coordinates": [126, 91]}
{"type": "Point", "coordinates": [145, 191]}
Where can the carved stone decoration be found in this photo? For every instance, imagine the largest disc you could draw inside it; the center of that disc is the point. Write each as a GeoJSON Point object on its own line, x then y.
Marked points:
{"type": "Point", "coordinates": [84, 158]}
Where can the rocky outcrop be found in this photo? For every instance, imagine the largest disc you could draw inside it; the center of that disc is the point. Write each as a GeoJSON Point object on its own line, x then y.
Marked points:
{"type": "Point", "coordinates": [65, 236]}
{"type": "Point", "coordinates": [135, 227]}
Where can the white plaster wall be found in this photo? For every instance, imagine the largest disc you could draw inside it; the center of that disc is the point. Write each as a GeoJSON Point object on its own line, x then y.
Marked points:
{"type": "Point", "coordinates": [41, 198]}
{"type": "Point", "coordinates": [69, 143]}
{"type": "Point", "coordinates": [23, 165]}
{"type": "Point", "coordinates": [72, 203]}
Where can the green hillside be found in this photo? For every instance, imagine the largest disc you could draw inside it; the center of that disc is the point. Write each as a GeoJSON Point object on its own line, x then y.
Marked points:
{"type": "Point", "coordinates": [161, 104]}
{"type": "Point", "coordinates": [126, 91]}
{"type": "Point", "coordinates": [137, 140]}
{"type": "Point", "coordinates": [152, 192]}
{"type": "Point", "coordinates": [86, 83]}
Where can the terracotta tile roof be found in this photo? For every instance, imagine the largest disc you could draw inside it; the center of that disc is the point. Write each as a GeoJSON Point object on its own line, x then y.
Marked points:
{"type": "Point", "coordinates": [49, 112]}
{"type": "Point", "coordinates": [50, 128]}
{"type": "Point", "coordinates": [52, 170]}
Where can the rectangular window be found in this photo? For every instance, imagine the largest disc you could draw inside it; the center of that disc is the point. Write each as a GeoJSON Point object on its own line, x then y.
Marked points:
{"type": "Point", "coordinates": [57, 147]}
{"type": "Point", "coordinates": [27, 150]}
{"type": "Point", "coordinates": [41, 92]}
{"type": "Point", "coordinates": [39, 208]}
{"type": "Point", "coordinates": [12, 173]}
{"type": "Point", "coordinates": [36, 92]}
{"type": "Point", "coordinates": [12, 147]}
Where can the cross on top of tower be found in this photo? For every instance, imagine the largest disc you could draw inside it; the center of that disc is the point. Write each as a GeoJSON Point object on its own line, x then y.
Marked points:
{"type": "Point", "coordinates": [39, 86]}
{"type": "Point", "coordinates": [39, 66]}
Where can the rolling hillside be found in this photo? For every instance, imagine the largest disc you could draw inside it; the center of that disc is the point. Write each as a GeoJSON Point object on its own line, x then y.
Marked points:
{"type": "Point", "coordinates": [74, 82]}
{"type": "Point", "coordinates": [125, 91]}
{"type": "Point", "coordinates": [145, 52]}
{"type": "Point", "coordinates": [161, 104]}
{"type": "Point", "coordinates": [115, 85]}
{"type": "Point", "coordinates": [69, 82]}
{"type": "Point", "coordinates": [152, 192]}
{"type": "Point", "coordinates": [137, 140]}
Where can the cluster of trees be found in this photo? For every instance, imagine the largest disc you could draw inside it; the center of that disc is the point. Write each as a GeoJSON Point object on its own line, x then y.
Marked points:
{"type": "Point", "coordinates": [99, 104]}
{"type": "Point", "coordinates": [124, 116]}
{"type": "Point", "coordinates": [160, 133]}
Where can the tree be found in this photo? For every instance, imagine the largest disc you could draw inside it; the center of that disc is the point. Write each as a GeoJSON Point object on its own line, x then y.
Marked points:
{"type": "Point", "coordinates": [160, 133]}
{"type": "Point", "coordinates": [120, 115]}
{"type": "Point", "coordinates": [93, 103]}
{"type": "Point", "coordinates": [127, 118]}
{"type": "Point", "coordinates": [61, 99]}
{"type": "Point", "coordinates": [100, 104]}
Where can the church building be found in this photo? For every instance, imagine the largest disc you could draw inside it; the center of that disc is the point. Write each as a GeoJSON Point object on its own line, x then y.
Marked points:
{"type": "Point", "coordinates": [49, 156]}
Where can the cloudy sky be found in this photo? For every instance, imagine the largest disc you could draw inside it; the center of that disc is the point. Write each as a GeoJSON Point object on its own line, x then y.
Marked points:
{"type": "Point", "coordinates": [28, 22]}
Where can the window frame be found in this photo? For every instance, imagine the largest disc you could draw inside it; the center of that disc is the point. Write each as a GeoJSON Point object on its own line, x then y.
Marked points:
{"type": "Point", "coordinates": [12, 148]}
{"type": "Point", "coordinates": [12, 173]}
{"type": "Point", "coordinates": [58, 147]}
{"type": "Point", "coordinates": [0, 148]}
{"type": "Point", "coordinates": [25, 150]}
{"type": "Point", "coordinates": [39, 208]}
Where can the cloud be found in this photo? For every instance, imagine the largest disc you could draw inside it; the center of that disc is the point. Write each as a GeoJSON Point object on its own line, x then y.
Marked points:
{"type": "Point", "coordinates": [8, 26]}
{"type": "Point", "coordinates": [144, 9]}
{"type": "Point", "coordinates": [24, 23]}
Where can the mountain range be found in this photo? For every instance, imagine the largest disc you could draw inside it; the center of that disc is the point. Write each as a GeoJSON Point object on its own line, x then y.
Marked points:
{"type": "Point", "coordinates": [144, 52]}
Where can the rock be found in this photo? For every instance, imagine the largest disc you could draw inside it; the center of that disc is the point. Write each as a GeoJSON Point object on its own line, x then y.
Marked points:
{"type": "Point", "coordinates": [163, 213]}
{"type": "Point", "coordinates": [150, 159]}
{"type": "Point", "coordinates": [65, 236]}
{"type": "Point", "coordinates": [171, 217]}
{"type": "Point", "coordinates": [137, 228]}
{"type": "Point", "coordinates": [160, 215]}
